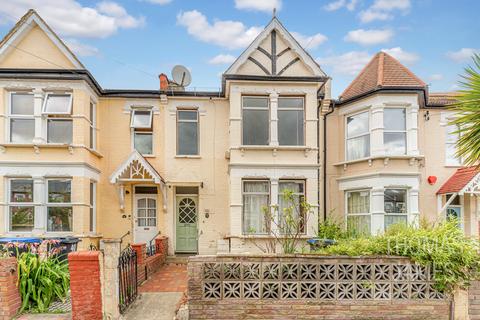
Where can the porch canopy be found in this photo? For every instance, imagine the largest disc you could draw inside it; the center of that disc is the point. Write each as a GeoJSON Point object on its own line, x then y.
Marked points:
{"type": "Point", "coordinates": [464, 180]}
{"type": "Point", "coordinates": [137, 169]}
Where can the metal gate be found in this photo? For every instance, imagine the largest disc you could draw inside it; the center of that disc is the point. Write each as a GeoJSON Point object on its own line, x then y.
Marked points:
{"type": "Point", "coordinates": [127, 274]}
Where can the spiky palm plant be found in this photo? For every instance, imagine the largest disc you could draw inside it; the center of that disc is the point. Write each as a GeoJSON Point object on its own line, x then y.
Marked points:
{"type": "Point", "coordinates": [468, 114]}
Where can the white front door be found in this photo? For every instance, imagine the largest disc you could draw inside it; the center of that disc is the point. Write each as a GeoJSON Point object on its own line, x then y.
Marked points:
{"type": "Point", "coordinates": [145, 211]}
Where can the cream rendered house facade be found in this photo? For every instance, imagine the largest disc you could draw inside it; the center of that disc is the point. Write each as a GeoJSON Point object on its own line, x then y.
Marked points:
{"type": "Point", "coordinates": [77, 159]}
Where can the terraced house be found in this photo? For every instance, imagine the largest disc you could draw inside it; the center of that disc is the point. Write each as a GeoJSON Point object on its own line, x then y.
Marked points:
{"type": "Point", "coordinates": [78, 159]}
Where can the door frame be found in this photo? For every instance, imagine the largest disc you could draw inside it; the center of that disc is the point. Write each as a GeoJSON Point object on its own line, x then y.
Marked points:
{"type": "Point", "coordinates": [175, 218]}
{"type": "Point", "coordinates": [134, 207]}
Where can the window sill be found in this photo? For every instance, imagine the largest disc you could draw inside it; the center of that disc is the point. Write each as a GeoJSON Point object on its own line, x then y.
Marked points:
{"type": "Point", "coordinates": [386, 158]}
{"type": "Point", "coordinates": [149, 156]}
{"type": "Point", "coordinates": [187, 157]}
{"type": "Point", "coordinates": [287, 148]}
{"type": "Point", "coordinates": [39, 146]}
{"type": "Point", "coordinates": [264, 236]}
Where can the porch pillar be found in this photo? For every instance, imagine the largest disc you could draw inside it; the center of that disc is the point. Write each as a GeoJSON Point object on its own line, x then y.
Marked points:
{"type": "Point", "coordinates": [273, 119]}
{"type": "Point", "coordinates": [40, 131]}
{"type": "Point", "coordinates": [111, 251]}
{"type": "Point", "coordinates": [414, 214]}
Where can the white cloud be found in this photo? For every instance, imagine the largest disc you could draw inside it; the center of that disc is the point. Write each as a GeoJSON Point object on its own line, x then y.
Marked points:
{"type": "Point", "coordinates": [72, 19]}
{"type": "Point", "coordinates": [369, 37]}
{"type": "Point", "coordinates": [309, 42]}
{"type": "Point", "coordinates": [402, 56]}
{"type": "Point", "coordinates": [81, 49]}
{"type": "Point", "coordinates": [259, 5]}
{"type": "Point", "coordinates": [160, 2]}
{"type": "Point", "coordinates": [350, 63]}
{"type": "Point", "coordinates": [462, 55]}
{"type": "Point", "coordinates": [225, 33]}
{"type": "Point", "coordinates": [383, 10]}
{"type": "Point", "coordinates": [338, 4]}
{"type": "Point", "coordinates": [222, 59]}
{"type": "Point", "coordinates": [436, 77]}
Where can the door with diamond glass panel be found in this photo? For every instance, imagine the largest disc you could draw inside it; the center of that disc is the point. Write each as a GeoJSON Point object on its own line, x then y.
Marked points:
{"type": "Point", "coordinates": [186, 229]}
{"type": "Point", "coordinates": [145, 208]}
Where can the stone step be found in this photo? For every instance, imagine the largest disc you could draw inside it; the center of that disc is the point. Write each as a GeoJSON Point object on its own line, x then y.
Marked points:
{"type": "Point", "coordinates": [177, 259]}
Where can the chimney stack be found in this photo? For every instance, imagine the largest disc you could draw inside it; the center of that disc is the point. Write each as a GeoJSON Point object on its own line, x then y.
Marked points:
{"type": "Point", "coordinates": [163, 82]}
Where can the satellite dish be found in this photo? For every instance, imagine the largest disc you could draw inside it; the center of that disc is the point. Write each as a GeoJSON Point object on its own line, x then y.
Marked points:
{"type": "Point", "coordinates": [181, 75]}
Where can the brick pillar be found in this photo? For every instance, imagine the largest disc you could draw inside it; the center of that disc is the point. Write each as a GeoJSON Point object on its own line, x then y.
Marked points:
{"type": "Point", "coordinates": [111, 253]}
{"type": "Point", "coordinates": [85, 285]}
{"type": "Point", "coordinates": [9, 296]}
{"type": "Point", "coordinates": [162, 244]}
{"type": "Point", "coordinates": [141, 249]}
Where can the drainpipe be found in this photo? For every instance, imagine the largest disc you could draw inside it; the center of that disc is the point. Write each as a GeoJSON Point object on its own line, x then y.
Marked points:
{"type": "Point", "coordinates": [325, 160]}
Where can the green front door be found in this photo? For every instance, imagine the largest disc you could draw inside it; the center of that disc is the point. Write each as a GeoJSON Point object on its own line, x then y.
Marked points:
{"type": "Point", "coordinates": [186, 231]}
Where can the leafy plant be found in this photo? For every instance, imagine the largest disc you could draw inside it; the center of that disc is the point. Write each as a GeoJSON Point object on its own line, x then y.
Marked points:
{"type": "Point", "coordinates": [331, 229]}
{"type": "Point", "coordinates": [453, 257]}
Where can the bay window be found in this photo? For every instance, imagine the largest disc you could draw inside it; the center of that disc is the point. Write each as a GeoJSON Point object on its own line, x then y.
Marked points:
{"type": "Point", "coordinates": [291, 208]}
{"type": "Point", "coordinates": [21, 208]}
{"type": "Point", "coordinates": [256, 197]}
{"type": "Point", "coordinates": [395, 134]}
{"type": "Point", "coordinates": [291, 121]}
{"type": "Point", "coordinates": [358, 212]}
{"type": "Point", "coordinates": [58, 108]}
{"type": "Point", "coordinates": [141, 124]}
{"type": "Point", "coordinates": [395, 207]}
{"type": "Point", "coordinates": [59, 130]}
{"type": "Point", "coordinates": [255, 121]}
{"type": "Point", "coordinates": [358, 136]}
{"type": "Point", "coordinates": [59, 205]}
{"type": "Point", "coordinates": [93, 206]}
{"type": "Point", "coordinates": [187, 132]}
{"type": "Point", "coordinates": [93, 126]}
{"type": "Point", "coordinates": [22, 122]}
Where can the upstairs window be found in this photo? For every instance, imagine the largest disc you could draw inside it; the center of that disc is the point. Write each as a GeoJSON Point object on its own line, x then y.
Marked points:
{"type": "Point", "coordinates": [255, 121]}
{"type": "Point", "coordinates": [22, 122]}
{"type": "Point", "coordinates": [93, 126]}
{"type": "Point", "coordinates": [395, 134]}
{"type": "Point", "coordinates": [58, 108]}
{"type": "Point", "coordinates": [452, 136]}
{"type": "Point", "coordinates": [358, 136]}
{"type": "Point", "coordinates": [56, 104]}
{"type": "Point", "coordinates": [141, 124]}
{"type": "Point", "coordinates": [21, 208]}
{"type": "Point", "coordinates": [291, 121]}
{"type": "Point", "coordinates": [187, 132]}
{"type": "Point", "coordinates": [59, 130]}
{"type": "Point", "coordinates": [59, 205]}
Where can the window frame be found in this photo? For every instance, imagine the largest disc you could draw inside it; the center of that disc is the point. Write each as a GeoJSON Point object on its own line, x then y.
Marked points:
{"type": "Point", "coordinates": [407, 205]}
{"type": "Point", "coordinates": [49, 204]}
{"type": "Point", "coordinates": [269, 199]}
{"type": "Point", "coordinates": [70, 103]}
{"type": "Point", "coordinates": [132, 117]}
{"type": "Point", "coordinates": [304, 194]}
{"type": "Point", "coordinates": [93, 206]}
{"type": "Point", "coordinates": [19, 204]}
{"type": "Point", "coordinates": [269, 112]}
{"type": "Point", "coordinates": [369, 134]}
{"type": "Point", "coordinates": [304, 122]}
{"type": "Point", "coordinates": [369, 213]}
{"type": "Point", "coordinates": [448, 142]}
{"type": "Point", "coordinates": [140, 132]}
{"type": "Point", "coordinates": [12, 116]}
{"type": "Point", "coordinates": [405, 132]}
{"type": "Point", "coordinates": [197, 121]}
{"type": "Point", "coordinates": [48, 131]}
{"type": "Point", "coordinates": [93, 125]}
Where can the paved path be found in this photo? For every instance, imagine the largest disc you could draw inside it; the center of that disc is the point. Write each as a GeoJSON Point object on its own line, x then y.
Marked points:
{"type": "Point", "coordinates": [160, 294]}
{"type": "Point", "coordinates": [49, 316]}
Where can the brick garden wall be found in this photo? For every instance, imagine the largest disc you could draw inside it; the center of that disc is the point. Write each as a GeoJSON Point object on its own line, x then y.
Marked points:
{"type": "Point", "coordinates": [10, 300]}
{"type": "Point", "coordinates": [311, 287]}
{"type": "Point", "coordinates": [149, 265]}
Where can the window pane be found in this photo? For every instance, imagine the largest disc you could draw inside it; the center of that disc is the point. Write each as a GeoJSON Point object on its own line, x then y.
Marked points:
{"type": "Point", "coordinates": [253, 215]}
{"type": "Point", "coordinates": [395, 142]}
{"type": "Point", "coordinates": [22, 130]}
{"type": "Point", "coordinates": [296, 187]}
{"type": "Point", "coordinates": [143, 143]}
{"type": "Point", "coordinates": [358, 225]}
{"type": "Point", "coordinates": [394, 119]}
{"type": "Point", "coordinates": [141, 119]}
{"type": "Point", "coordinates": [358, 148]}
{"type": "Point", "coordinates": [92, 208]}
{"type": "Point", "coordinates": [358, 202]}
{"type": "Point", "coordinates": [187, 115]}
{"type": "Point", "coordinates": [256, 186]}
{"type": "Point", "coordinates": [146, 190]}
{"type": "Point", "coordinates": [291, 207]}
{"type": "Point", "coordinates": [92, 138]}
{"type": "Point", "coordinates": [59, 131]}
{"type": "Point", "coordinates": [21, 191]}
{"type": "Point", "coordinates": [92, 112]}
{"type": "Point", "coordinates": [357, 124]}
{"type": "Point", "coordinates": [21, 218]}
{"type": "Point", "coordinates": [59, 191]}
{"type": "Point", "coordinates": [290, 103]}
{"type": "Point", "coordinates": [22, 103]}
{"type": "Point", "coordinates": [396, 219]}
{"type": "Point", "coordinates": [59, 219]}
{"type": "Point", "coordinates": [57, 103]}
{"type": "Point", "coordinates": [290, 127]}
{"type": "Point", "coordinates": [255, 102]}
{"type": "Point", "coordinates": [255, 127]}
{"type": "Point", "coordinates": [186, 190]}
{"type": "Point", "coordinates": [395, 200]}
{"type": "Point", "coordinates": [455, 201]}
{"type": "Point", "coordinates": [187, 138]}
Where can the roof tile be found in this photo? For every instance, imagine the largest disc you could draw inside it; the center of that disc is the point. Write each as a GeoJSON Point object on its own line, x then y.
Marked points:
{"type": "Point", "coordinates": [458, 180]}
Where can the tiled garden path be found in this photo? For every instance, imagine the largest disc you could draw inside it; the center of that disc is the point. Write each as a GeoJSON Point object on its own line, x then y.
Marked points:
{"type": "Point", "coordinates": [170, 278]}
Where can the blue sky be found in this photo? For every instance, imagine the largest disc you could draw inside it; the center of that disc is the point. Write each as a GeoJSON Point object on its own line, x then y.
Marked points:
{"type": "Point", "coordinates": [126, 44]}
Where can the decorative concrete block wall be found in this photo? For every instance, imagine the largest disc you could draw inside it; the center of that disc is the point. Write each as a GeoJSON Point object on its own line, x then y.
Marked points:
{"type": "Point", "coordinates": [10, 300]}
{"type": "Point", "coordinates": [312, 287]}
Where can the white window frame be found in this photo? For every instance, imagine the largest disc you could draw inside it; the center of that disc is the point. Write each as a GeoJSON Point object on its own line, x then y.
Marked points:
{"type": "Point", "coordinates": [149, 132]}
{"type": "Point", "coordinates": [268, 194]}
{"type": "Point", "coordinates": [369, 133]}
{"type": "Point", "coordinates": [369, 213]}
{"type": "Point", "coordinates": [449, 141]}
{"type": "Point", "coordinates": [189, 121]}
{"type": "Point", "coordinates": [11, 116]}
{"type": "Point", "coordinates": [461, 206]}
{"type": "Point", "coordinates": [18, 204]}
{"type": "Point", "coordinates": [269, 111]}
{"type": "Point", "coordinates": [132, 117]}
{"type": "Point", "coordinates": [405, 132]}
{"type": "Point", "coordinates": [407, 204]}
{"type": "Point", "coordinates": [93, 206]}
{"type": "Point", "coordinates": [57, 204]}
{"type": "Point", "coordinates": [68, 112]}
{"type": "Point", "coordinates": [292, 109]}
{"type": "Point", "coordinates": [141, 129]}
{"type": "Point", "coordinates": [48, 119]}
{"type": "Point", "coordinates": [92, 143]}
{"type": "Point", "coordinates": [304, 194]}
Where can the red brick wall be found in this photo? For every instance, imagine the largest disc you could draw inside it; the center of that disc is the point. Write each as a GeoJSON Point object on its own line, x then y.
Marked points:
{"type": "Point", "coordinates": [149, 265]}
{"type": "Point", "coordinates": [9, 296]}
{"type": "Point", "coordinates": [141, 250]}
{"type": "Point", "coordinates": [85, 285]}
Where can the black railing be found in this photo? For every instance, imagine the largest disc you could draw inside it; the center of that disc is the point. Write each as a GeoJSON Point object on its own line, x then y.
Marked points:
{"type": "Point", "coordinates": [152, 247]}
{"type": "Point", "coordinates": [127, 273]}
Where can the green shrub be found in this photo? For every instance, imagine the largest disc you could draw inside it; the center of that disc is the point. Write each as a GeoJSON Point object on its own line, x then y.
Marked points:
{"type": "Point", "coordinates": [453, 257]}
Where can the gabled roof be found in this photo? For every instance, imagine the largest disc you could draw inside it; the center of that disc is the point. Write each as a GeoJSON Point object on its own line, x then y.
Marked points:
{"type": "Point", "coordinates": [382, 72]}
{"type": "Point", "coordinates": [276, 25]}
{"type": "Point", "coordinates": [136, 168]}
{"type": "Point", "coordinates": [459, 181]}
{"type": "Point", "coordinates": [24, 25]}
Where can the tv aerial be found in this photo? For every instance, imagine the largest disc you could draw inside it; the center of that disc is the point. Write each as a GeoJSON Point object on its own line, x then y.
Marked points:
{"type": "Point", "coordinates": [181, 75]}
